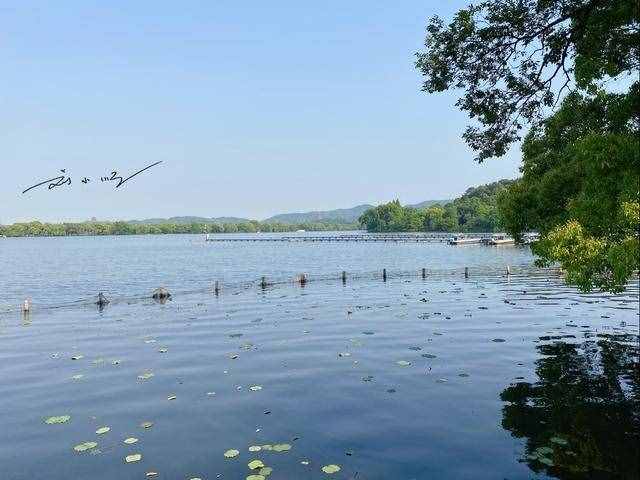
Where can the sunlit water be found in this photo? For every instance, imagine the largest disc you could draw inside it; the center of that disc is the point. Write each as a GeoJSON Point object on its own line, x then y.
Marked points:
{"type": "Point", "coordinates": [445, 377]}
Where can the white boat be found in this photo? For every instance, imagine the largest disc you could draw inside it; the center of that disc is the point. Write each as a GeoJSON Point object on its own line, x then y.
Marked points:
{"type": "Point", "coordinates": [501, 240]}
{"type": "Point", "coordinates": [462, 240]}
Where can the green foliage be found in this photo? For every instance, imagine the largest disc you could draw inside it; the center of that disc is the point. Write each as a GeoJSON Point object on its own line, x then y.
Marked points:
{"type": "Point", "coordinates": [38, 229]}
{"type": "Point", "coordinates": [580, 189]}
{"type": "Point", "coordinates": [514, 59]}
{"type": "Point", "coordinates": [580, 184]}
{"type": "Point", "coordinates": [475, 211]}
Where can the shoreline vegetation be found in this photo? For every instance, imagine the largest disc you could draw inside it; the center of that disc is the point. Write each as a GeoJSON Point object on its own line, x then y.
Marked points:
{"type": "Point", "coordinates": [475, 211]}
{"type": "Point", "coordinates": [90, 228]}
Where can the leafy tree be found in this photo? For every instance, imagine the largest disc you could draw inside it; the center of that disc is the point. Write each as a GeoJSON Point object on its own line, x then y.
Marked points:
{"type": "Point", "coordinates": [580, 189]}
{"type": "Point", "coordinates": [515, 62]}
{"type": "Point", "coordinates": [475, 211]}
{"type": "Point", "coordinates": [515, 59]}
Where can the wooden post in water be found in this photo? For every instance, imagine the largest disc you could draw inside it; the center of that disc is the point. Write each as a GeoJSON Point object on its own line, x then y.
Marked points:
{"type": "Point", "coordinates": [263, 282]}
{"type": "Point", "coordinates": [384, 273]}
{"type": "Point", "coordinates": [424, 273]}
{"type": "Point", "coordinates": [302, 278]}
{"type": "Point", "coordinates": [508, 270]}
{"type": "Point", "coordinates": [344, 277]}
{"type": "Point", "coordinates": [216, 288]}
{"type": "Point", "coordinates": [466, 272]}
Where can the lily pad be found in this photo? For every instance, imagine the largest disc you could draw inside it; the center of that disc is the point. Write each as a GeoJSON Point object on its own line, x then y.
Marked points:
{"type": "Point", "coordinates": [130, 440]}
{"type": "Point", "coordinates": [331, 469]}
{"type": "Point", "coordinates": [282, 447]}
{"type": "Point", "coordinates": [543, 450]}
{"type": "Point", "coordinates": [265, 471]}
{"type": "Point", "coordinates": [403, 363]}
{"type": "Point", "coordinates": [255, 477]}
{"type": "Point", "coordinates": [255, 448]}
{"type": "Point", "coordinates": [81, 447]}
{"type": "Point", "coordinates": [102, 430]}
{"type": "Point", "coordinates": [231, 453]}
{"type": "Point", "coordinates": [57, 420]}
{"type": "Point", "coordinates": [136, 457]}
{"type": "Point", "coordinates": [255, 464]}
{"type": "Point", "coordinates": [559, 440]}
{"type": "Point", "coordinates": [145, 376]}
{"type": "Point", "coordinates": [146, 424]}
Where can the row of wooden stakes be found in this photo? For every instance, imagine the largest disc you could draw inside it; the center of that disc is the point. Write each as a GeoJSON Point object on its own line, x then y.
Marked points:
{"type": "Point", "coordinates": [302, 279]}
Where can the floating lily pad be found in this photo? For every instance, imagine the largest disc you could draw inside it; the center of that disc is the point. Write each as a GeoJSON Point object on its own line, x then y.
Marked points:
{"type": "Point", "coordinates": [102, 430]}
{"type": "Point", "coordinates": [331, 469]}
{"type": "Point", "coordinates": [267, 447]}
{"type": "Point", "coordinates": [255, 477]}
{"type": "Point", "coordinates": [231, 453]}
{"type": "Point", "coordinates": [543, 450]}
{"type": "Point", "coordinates": [145, 376]}
{"type": "Point", "coordinates": [136, 457]}
{"type": "Point", "coordinates": [403, 363]}
{"type": "Point", "coordinates": [82, 447]}
{"type": "Point", "coordinates": [255, 464]}
{"type": "Point", "coordinates": [130, 440]}
{"type": "Point", "coordinates": [57, 420]}
{"type": "Point", "coordinates": [559, 440]}
{"type": "Point", "coordinates": [546, 461]}
{"type": "Point", "coordinates": [265, 471]}
{"type": "Point", "coordinates": [282, 447]}
{"type": "Point", "coordinates": [146, 424]}
{"type": "Point", "coordinates": [255, 448]}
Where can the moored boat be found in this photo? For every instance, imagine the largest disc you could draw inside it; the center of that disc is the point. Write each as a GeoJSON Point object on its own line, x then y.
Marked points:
{"type": "Point", "coordinates": [462, 240]}
{"type": "Point", "coordinates": [501, 240]}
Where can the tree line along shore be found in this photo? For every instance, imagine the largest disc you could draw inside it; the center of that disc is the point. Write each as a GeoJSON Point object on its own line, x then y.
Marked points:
{"type": "Point", "coordinates": [475, 211]}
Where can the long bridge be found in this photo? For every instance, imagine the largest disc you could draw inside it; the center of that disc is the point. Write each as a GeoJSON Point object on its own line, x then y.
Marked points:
{"type": "Point", "coordinates": [392, 237]}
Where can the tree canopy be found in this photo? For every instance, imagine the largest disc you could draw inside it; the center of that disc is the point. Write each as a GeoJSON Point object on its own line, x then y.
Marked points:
{"type": "Point", "coordinates": [515, 59]}
{"type": "Point", "coordinates": [580, 189]}
{"type": "Point", "coordinates": [475, 211]}
{"type": "Point", "coordinates": [576, 62]}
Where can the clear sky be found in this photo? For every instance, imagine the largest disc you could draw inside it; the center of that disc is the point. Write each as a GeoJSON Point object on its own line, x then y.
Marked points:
{"type": "Point", "coordinates": [255, 108]}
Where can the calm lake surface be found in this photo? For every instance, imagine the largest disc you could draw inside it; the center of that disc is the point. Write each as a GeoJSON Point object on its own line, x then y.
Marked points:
{"type": "Point", "coordinates": [493, 377]}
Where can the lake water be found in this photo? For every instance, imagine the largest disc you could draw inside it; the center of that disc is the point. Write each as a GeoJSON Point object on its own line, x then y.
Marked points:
{"type": "Point", "coordinates": [490, 376]}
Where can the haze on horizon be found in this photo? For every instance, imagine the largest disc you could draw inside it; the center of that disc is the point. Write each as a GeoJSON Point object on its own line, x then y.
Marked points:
{"type": "Point", "coordinates": [253, 110]}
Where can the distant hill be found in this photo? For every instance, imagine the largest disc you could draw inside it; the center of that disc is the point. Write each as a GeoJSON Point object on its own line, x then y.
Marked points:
{"type": "Point", "coordinates": [342, 215]}
{"type": "Point", "coordinates": [339, 216]}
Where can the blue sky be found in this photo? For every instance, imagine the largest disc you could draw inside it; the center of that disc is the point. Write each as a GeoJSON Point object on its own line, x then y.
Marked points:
{"type": "Point", "coordinates": [255, 108]}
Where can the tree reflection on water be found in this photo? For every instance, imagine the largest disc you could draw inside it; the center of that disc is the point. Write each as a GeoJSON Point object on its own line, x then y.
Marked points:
{"type": "Point", "coordinates": [581, 418]}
